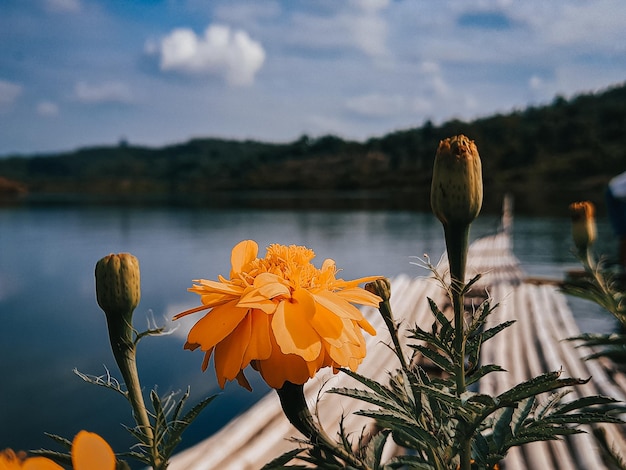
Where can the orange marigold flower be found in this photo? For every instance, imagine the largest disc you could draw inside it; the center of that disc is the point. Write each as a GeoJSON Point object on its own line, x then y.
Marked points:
{"type": "Point", "coordinates": [89, 452]}
{"type": "Point", "coordinates": [280, 314]}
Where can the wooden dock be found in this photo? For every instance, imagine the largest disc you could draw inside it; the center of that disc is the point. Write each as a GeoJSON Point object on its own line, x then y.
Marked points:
{"type": "Point", "coordinates": [533, 345]}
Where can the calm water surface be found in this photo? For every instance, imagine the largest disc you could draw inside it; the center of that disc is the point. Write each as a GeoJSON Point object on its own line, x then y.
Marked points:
{"type": "Point", "coordinates": [52, 324]}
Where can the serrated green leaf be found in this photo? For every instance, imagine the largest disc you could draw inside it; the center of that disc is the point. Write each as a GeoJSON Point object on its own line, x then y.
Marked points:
{"type": "Point", "coordinates": [280, 462]}
{"type": "Point", "coordinates": [541, 384]}
{"type": "Point", "coordinates": [374, 449]}
{"type": "Point", "coordinates": [58, 457]}
{"type": "Point", "coordinates": [368, 397]}
{"type": "Point", "coordinates": [550, 404]}
{"type": "Point", "coordinates": [373, 385]}
{"type": "Point", "coordinates": [180, 404]}
{"type": "Point", "coordinates": [409, 462]}
{"type": "Point", "coordinates": [521, 413]}
{"type": "Point", "coordinates": [480, 448]}
{"type": "Point", "coordinates": [481, 372]}
{"type": "Point", "coordinates": [586, 402]}
{"type": "Point", "coordinates": [502, 427]}
{"type": "Point", "coordinates": [436, 357]}
{"type": "Point", "coordinates": [60, 440]}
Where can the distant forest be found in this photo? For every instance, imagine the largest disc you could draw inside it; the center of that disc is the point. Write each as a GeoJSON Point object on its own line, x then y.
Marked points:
{"type": "Point", "coordinates": [545, 156]}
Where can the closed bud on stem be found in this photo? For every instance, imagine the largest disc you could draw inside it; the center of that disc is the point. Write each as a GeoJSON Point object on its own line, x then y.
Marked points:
{"type": "Point", "coordinates": [118, 292]}
{"type": "Point", "coordinates": [583, 224]}
{"type": "Point", "coordinates": [118, 285]}
{"type": "Point", "coordinates": [456, 193]}
{"type": "Point", "coordinates": [380, 287]}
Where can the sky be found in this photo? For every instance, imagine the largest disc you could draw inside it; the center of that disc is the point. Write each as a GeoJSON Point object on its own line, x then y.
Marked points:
{"type": "Point", "coordinates": [76, 73]}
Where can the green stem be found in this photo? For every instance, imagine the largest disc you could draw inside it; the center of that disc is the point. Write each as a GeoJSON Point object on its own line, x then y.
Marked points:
{"type": "Point", "coordinates": [297, 412]}
{"type": "Point", "coordinates": [385, 311]}
{"type": "Point", "coordinates": [457, 241]}
{"type": "Point", "coordinates": [125, 353]}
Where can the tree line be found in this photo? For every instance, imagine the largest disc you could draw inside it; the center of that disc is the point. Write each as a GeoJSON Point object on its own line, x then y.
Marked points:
{"type": "Point", "coordinates": [545, 156]}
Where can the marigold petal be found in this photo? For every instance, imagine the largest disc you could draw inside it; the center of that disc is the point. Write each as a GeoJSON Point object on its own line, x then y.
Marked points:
{"type": "Point", "coordinates": [292, 328]}
{"type": "Point", "coordinates": [206, 359]}
{"type": "Point", "coordinates": [337, 305]}
{"type": "Point", "coordinates": [229, 353]}
{"type": "Point", "coordinates": [279, 368]}
{"type": "Point", "coordinates": [33, 463]}
{"type": "Point", "coordinates": [91, 452]}
{"type": "Point", "coordinates": [259, 345]}
{"type": "Point", "coordinates": [216, 325]}
{"type": "Point", "coordinates": [355, 282]}
{"type": "Point", "coordinates": [267, 286]}
{"type": "Point", "coordinates": [360, 296]}
{"type": "Point", "coordinates": [350, 354]}
{"type": "Point", "coordinates": [208, 286]}
{"type": "Point", "coordinates": [329, 326]}
{"type": "Point", "coordinates": [243, 253]}
{"type": "Point", "coordinates": [243, 381]}
{"type": "Point", "coordinates": [363, 323]}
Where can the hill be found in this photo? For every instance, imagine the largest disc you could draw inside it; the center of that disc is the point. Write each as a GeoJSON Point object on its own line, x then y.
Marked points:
{"type": "Point", "coordinates": [545, 156]}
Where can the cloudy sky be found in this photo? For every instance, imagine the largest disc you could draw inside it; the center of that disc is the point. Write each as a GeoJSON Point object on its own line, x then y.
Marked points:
{"type": "Point", "coordinates": [89, 72]}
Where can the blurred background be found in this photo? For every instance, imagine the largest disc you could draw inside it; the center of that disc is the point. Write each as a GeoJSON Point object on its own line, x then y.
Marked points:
{"type": "Point", "coordinates": [173, 129]}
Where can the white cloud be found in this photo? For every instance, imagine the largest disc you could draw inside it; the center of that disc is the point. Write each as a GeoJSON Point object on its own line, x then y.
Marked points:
{"type": "Point", "coordinates": [70, 6]}
{"type": "Point", "coordinates": [9, 92]}
{"type": "Point", "coordinates": [106, 92]}
{"type": "Point", "coordinates": [47, 109]}
{"type": "Point", "coordinates": [230, 54]}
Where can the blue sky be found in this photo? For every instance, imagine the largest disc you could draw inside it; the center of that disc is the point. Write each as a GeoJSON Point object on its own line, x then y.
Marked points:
{"type": "Point", "coordinates": [79, 73]}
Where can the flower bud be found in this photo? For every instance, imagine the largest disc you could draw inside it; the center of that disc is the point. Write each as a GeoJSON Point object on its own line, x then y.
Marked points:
{"type": "Point", "coordinates": [380, 287]}
{"type": "Point", "coordinates": [456, 193]}
{"type": "Point", "coordinates": [117, 285]}
{"type": "Point", "coordinates": [583, 224]}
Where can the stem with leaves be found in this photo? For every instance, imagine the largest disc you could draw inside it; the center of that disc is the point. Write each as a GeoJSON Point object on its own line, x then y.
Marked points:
{"type": "Point", "coordinates": [124, 348]}
{"type": "Point", "coordinates": [297, 412]}
{"type": "Point", "coordinates": [457, 240]}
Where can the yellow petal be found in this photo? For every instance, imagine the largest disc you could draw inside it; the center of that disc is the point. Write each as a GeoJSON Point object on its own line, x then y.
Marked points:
{"type": "Point", "coordinates": [292, 328]}
{"type": "Point", "coordinates": [91, 452]}
{"type": "Point", "coordinates": [279, 368]}
{"type": "Point", "coordinates": [329, 326]}
{"type": "Point", "coordinates": [340, 283]}
{"type": "Point", "coordinates": [207, 286]}
{"type": "Point", "coordinates": [360, 296]}
{"type": "Point", "coordinates": [230, 351]}
{"type": "Point", "coordinates": [216, 325]}
{"type": "Point", "coordinates": [243, 253]}
{"type": "Point", "coordinates": [243, 381]}
{"type": "Point", "coordinates": [34, 463]}
{"type": "Point", "coordinates": [337, 305]}
{"type": "Point", "coordinates": [363, 323]}
{"type": "Point", "coordinates": [267, 286]}
{"type": "Point", "coordinates": [259, 345]}
{"type": "Point", "coordinates": [206, 359]}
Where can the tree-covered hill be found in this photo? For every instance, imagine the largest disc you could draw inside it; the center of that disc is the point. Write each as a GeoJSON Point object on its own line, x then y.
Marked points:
{"type": "Point", "coordinates": [545, 156]}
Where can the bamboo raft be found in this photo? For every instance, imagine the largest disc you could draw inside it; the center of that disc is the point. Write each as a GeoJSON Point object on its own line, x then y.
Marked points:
{"type": "Point", "coordinates": [533, 345]}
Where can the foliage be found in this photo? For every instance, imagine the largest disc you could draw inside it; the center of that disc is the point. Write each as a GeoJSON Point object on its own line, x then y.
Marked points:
{"type": "Point", "coordinates": [604, 287]}
{"type": "Point", "coordinates": [426, 415]}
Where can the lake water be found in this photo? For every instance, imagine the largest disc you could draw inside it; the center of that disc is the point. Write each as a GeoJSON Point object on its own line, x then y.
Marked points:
{"type": "Point", "coordinates": [52, 324]}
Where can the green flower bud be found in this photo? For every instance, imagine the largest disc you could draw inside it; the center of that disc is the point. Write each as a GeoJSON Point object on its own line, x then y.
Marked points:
{"type": "Point", "coordinates": [117, 285]}
{"type": "Point", "coordinates": [456, 193]}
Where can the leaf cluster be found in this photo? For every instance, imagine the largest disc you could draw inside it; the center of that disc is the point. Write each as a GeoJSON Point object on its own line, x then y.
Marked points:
{"type": "Point", "coordinates": [605, 288]}
{"type": "Point", "coordinates": [426, 416]}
